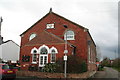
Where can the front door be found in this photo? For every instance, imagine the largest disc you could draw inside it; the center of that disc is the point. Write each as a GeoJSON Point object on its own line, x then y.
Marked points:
{"type": "Point", "coordinates": [43, 60]}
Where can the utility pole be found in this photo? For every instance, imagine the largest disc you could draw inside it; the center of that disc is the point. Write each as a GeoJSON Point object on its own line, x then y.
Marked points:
{"type": "Point", "coordinates": [65, 56]}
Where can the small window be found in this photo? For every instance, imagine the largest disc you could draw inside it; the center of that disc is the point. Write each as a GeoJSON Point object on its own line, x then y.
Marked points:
{"type": "Point", "coordinates": [34, 60]}
{"type": "Point", "coordinates": [69, 35]}
{"type": "Point", "coordinates": [34, 57]}
{"type": "Point", "coordinates": [32, 36]}
{"type": "Point", "coordinates": [49, 26]}
{"type": "Point", "coordinates": [53, 56]}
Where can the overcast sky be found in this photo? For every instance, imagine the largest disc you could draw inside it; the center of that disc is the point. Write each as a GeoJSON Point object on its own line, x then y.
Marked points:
{"type": "Point", "coordinates": [99, 16]}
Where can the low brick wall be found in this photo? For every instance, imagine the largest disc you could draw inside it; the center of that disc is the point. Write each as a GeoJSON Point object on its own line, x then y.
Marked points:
{"type": "Point", "coordinates": [54, 75]}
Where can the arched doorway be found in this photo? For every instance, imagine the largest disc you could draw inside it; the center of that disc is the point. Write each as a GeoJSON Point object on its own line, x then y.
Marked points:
{"type": "Point", "coordinates": [43, 58]}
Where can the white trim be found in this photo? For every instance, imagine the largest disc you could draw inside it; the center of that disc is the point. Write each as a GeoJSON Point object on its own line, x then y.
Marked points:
{"type": "Point", "coordinates": [69, 36]}
{"type": "Point", "coordinates": [43, 47]}
{"type": "Point", "coordinates": [32, 36]}
{"type": "Point", "coordinates": [51, 58]}
{"type": "Point", "coordinates": [43, 59]}
{"type": "Point", "coordinates": [32, 51]}
{"type": "Point", "coordinates": [34, 62]}
{"type": "Point", "coordinates": [50, 26]}
{"type": "Point", "coordinates": [53, 48]}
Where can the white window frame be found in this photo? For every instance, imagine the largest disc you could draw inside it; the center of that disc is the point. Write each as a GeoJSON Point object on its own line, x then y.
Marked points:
{"type": "Point", "coordinates": [56, 51]}
{"type": "Point", "coordinates": [34, 62]}
{"type": "Point", "coordinates": [50, 26]}
{"type": "Point", "coordinates": [51, 58]}
{"type": "Point", "coordinates": [69, 36]}
{"type": "Point", "coordinates": [43, 58]}
{"type": "Point", "coordinates": [32, 52]}
{"type": "Point", "coordinates": [33, 35]}
{"type": "Point", "coordinates": [43, 55]}
{"type": "Point", "coordinates": [45, 47]}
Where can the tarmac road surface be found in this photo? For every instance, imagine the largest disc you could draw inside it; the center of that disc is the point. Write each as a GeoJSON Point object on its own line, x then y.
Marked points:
{"type": "Point", "coordinates": [108, 73]}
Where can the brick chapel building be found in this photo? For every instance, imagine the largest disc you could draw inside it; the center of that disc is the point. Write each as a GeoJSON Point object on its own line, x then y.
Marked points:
{"type": "Point", "coordinates": [44, 42]}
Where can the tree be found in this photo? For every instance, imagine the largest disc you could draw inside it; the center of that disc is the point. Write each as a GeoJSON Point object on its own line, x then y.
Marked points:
{"type": "Point", "coordinates": [116, 63]}
{"type": "Point", "coordinates": [106, 62]}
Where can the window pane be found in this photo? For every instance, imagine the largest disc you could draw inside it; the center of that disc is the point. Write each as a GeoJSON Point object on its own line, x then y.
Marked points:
{"type": "Point", "coordinates": [34, 51]}
{"type": "Point", "coordinates": [53, 51]}
{"type": "Point", "coordinates": [53, 57]}
{"type": "Point", "coordinates": [43, 51]}
{"type": "Point", "coordinates": [32, 36]}
{"type": "Point", "coordinates": [45, 59]}
{"type": "Point", "coordinates": [70, 35]}
{"type": "Point", "coordinates": [41, 60]}
{"type": "Point", "coordinates": [34, 57]}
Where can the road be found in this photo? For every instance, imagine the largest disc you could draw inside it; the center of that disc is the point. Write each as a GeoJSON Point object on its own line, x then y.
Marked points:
{"type": "Point", "coordinates": [107, 73]}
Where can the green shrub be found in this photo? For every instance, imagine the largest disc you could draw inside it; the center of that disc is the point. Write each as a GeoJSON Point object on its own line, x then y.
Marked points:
{"type": "Point", "coordinates": [74, 65]}
{"type": "Point", "coordinates": [33, 68]}
{"type": "Point", "coordinates": [116, 64]}
{"type": "Point", "coordinates": [50, 67]}
{"type": "Point", "coordinates": [100, 68]}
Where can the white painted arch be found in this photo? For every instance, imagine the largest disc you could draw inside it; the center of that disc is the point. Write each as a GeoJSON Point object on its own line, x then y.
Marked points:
{"type": "Point", "coordinates": [43, 47]}
{"type": "Point", "coordinates": [53, 48]}
{"type": "Point", "coordinates": [32, 51]}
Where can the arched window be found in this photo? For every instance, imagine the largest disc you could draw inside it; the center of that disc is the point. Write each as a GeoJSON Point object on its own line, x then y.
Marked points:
{"type": "Point", "coordinates": [34, 58]}
{"type": "Point", "coordinates": [53, 56]}
{"type": "Point", "coordinates": [69, 35]}
{"type": "Point", "coordinates": [32, 36]}
{"type": "Point", "coordinates": [34, 53]}
{"type": "Point", "coordinates": [43, 51]}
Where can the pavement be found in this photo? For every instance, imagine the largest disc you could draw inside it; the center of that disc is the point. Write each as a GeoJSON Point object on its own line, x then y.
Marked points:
{"type": "Point", "coordinates": [107, 74]}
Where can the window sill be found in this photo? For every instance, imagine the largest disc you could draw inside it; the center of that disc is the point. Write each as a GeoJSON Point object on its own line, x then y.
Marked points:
{"type": "Point", "coordinates": [34, 62]}
{"type": "Point", "coordinates": [69, 39]}
{"type": "Point", "coordinates": [52, 62]}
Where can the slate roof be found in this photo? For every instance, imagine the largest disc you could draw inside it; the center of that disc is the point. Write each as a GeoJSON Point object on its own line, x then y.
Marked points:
{"type": "Point", "coordinates": [11, 41]}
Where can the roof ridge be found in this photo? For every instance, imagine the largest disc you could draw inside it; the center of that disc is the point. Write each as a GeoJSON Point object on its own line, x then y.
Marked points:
{"type": "Point", "coordinates": [68, 20]}
{"type": "Point", "coordinates": [9, 41]}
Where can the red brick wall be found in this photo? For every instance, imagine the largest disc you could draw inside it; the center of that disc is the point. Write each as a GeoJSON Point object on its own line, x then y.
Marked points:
{"type": "Point", "coordinates": [26, 50]}
{"type": "Point", "coordinates": [80, 36]}
{"type": "Point", "coordinates": [92, 62]}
